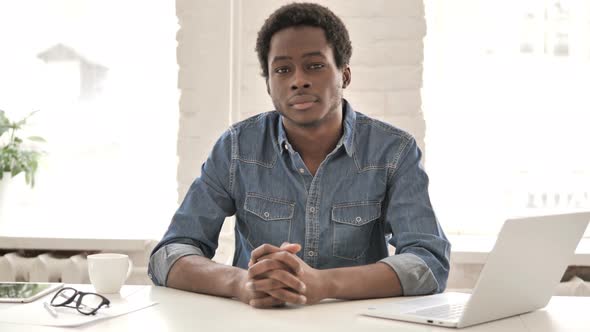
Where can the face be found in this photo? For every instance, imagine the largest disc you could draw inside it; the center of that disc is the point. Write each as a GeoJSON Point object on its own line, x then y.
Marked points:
{"type": "Point", "coordinates": [303, 80]}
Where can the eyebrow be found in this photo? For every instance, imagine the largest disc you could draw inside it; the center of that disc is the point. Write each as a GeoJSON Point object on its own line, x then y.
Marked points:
{"type": "Point", "coordinates": [309, 54]}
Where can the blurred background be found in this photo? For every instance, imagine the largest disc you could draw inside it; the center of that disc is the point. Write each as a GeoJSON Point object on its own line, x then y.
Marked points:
{"type": "Point", "coordinates": [133, 94]}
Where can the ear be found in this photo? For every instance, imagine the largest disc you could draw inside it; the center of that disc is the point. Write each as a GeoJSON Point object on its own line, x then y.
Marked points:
{"type": "Point", "coordinates": [267, 86]}
{"type": "Point", "coordinates": [346, 76]}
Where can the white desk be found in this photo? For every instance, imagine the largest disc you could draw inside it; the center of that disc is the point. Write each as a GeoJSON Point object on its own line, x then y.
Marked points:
{"type": "Point", "coordinates": [183, 311]}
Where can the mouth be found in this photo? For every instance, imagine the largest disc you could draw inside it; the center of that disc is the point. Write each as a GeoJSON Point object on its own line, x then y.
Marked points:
{"type": "Point", "coordinates": [302, 102]}
{"type": "Point", "coordinates": [303, 106]}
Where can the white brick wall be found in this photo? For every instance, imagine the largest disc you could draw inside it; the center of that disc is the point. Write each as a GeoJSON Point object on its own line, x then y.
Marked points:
{"type": "Point", "coordinates": [386, 62]}
{"type": "Point", "coordinates": [203, 55]}
{"type": "Point", "coordinates": [220, 80]}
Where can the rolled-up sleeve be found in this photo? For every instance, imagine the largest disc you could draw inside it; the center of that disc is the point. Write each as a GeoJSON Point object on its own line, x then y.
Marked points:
{"type": "Point", "coordinates": [162, 260]}
{"type": "Point", "coordinates": [422, 254]}
{"type": "Point", "coordinates": [414, 275]}
{"type": "Point", "coordinates": [195, 227]}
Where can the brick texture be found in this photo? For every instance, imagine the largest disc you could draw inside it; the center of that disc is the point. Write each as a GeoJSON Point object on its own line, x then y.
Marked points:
{"type": "Point", "coordinates": [220, 80]}
{"type": "Point", "coordinates": [387, 37]}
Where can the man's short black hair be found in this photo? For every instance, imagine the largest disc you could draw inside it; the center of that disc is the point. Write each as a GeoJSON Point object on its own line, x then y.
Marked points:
{"type": "Point", "coordinates": [305, 14]}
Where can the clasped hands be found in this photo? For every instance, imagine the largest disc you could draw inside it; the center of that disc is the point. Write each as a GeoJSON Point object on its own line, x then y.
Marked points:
{"type": "Point", "coordinates": [276, 276]}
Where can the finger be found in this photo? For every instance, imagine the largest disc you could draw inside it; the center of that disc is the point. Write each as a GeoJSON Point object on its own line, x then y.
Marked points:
{"type": "Point", "coordinates": [265, 266]}
{"type": "Point", "coordinates": [254, 294]}
{"type": "Point", "coordinates": [262, 250]}
{"type": "Point", "coordinates": [286, 278]}
{"type": "Point", "coordinates": [288, 296]}
{"type": "Point", "coordinates": [277, 279]}
{"type": "Point", "coordinates": [291, 247]}
{"type": "Point", "coordinates": [263, 285]}
{"type": "Point", "coordinates": [290, 260]}
{"type": "Point", "coordinates": [266, 302]}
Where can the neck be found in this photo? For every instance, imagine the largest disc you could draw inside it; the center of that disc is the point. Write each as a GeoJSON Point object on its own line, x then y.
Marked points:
{"type": "Point", "coordinates": [318, 141]}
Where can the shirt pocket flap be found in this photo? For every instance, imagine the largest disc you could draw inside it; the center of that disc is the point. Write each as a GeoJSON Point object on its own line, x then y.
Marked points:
{"type": "Point", "coordinates": [269, 209]}
{"type": "Point", "coordinates": [356, 214]}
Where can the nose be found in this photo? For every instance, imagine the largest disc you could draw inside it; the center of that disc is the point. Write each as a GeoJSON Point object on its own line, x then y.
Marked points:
{"type": "Point", "coordinates": [300, 80]}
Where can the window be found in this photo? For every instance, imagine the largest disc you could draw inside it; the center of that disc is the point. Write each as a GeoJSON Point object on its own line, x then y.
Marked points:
{"type": "Point", "coordinates": [507, 110]}
{"type": "Point", "coordinates": [103, 75]}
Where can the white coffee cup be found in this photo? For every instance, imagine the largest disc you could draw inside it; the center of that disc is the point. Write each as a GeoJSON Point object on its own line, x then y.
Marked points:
{"type": "Point", "coordinates": [108, 272]}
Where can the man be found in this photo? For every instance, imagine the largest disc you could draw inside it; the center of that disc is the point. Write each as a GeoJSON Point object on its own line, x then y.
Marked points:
{"type": "Point", "coordinates": [317, 189]}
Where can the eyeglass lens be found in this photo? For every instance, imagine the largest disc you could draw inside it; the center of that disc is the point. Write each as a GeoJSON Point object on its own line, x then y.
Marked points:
{"type": "Point", "coordinates": [64, 296]}
{"type": "Point", "coordinates": [89, 303]}
{"type": "Point", "coordinates": [86, 303]}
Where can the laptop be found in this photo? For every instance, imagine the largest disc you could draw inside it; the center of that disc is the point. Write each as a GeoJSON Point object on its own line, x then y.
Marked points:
{"type": "Point", "coordinates": [520, 275]}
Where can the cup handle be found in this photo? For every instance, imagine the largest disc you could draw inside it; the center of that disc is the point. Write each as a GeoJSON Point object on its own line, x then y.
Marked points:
{"type": "Point", "coordinates": [130, 268]}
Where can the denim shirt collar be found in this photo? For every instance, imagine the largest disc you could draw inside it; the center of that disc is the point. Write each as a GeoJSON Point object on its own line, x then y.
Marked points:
{"type": "Point", "coordinates": [347, 138]}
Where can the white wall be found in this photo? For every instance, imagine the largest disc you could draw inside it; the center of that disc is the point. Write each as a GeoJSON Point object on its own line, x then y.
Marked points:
{"type": "Point", "coordinates": [220, 80]}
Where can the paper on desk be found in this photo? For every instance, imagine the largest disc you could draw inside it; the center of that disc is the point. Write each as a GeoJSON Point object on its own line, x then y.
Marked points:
{"type": "Point", "coordinates": [35, 314]}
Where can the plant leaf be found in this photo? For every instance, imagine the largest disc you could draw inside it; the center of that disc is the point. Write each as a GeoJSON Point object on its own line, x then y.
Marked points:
{"type": "Point", "coordinates": [15, 171]}
{"type": "Point", "coordinates": [13, 158]}
{"type": "Point", "coordinates": [36, 139]}
{"type": "Point", "coordinates": [4, 123]}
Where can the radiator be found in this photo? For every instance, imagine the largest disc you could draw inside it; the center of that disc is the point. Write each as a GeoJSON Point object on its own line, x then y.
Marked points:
{"type": "Point", "coordinates": [51, 266]}
{"type": "Point", "coordinates": [47, 266]}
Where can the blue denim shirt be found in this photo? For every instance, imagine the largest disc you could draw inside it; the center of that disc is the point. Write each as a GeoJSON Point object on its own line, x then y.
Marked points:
{"type": "Point", "coordinates": [370, 190]}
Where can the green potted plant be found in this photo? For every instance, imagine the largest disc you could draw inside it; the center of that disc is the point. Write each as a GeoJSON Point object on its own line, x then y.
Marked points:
{"type": "Point", "coordinates": [14, 157]}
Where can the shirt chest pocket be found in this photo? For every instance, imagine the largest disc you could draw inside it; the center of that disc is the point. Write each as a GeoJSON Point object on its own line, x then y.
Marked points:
{"type": "Point", "coordinates": [268, 219]}
{"type": "Point", "coordinates": [352, 226]}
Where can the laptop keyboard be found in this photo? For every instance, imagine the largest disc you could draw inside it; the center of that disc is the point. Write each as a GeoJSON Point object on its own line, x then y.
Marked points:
{"type": "Point", "coordinates": [445, 311]}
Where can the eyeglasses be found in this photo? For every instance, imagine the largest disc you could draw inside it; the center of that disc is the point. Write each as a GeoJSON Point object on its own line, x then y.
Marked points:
{"type": "Point", "coordinates": [85, 303]}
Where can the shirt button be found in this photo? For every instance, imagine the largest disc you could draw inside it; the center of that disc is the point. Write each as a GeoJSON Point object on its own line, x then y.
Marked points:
{"type": "Point", "coordinates": [286, 146]}
{"type": "Point", "coordinates": [311, 253]}
{"type": "Point", "coordinates": [312, 209]}
{"type": "Point", "coordinates": [301, 170]}
{"type": "Point", "coordinates": [358, 219]}
{"type": "Point", "coordinates": [266, 214]}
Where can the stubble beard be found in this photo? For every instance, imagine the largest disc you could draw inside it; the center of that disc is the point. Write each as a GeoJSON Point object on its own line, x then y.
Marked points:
{"type": "Point", "coordinates": [335, 105]}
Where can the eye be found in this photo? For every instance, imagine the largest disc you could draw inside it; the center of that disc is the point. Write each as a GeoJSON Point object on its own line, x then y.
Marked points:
{"type": "Point", "coordinates": [281, 70]}
{"type": "Point", "coordinates": [316, 66]}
